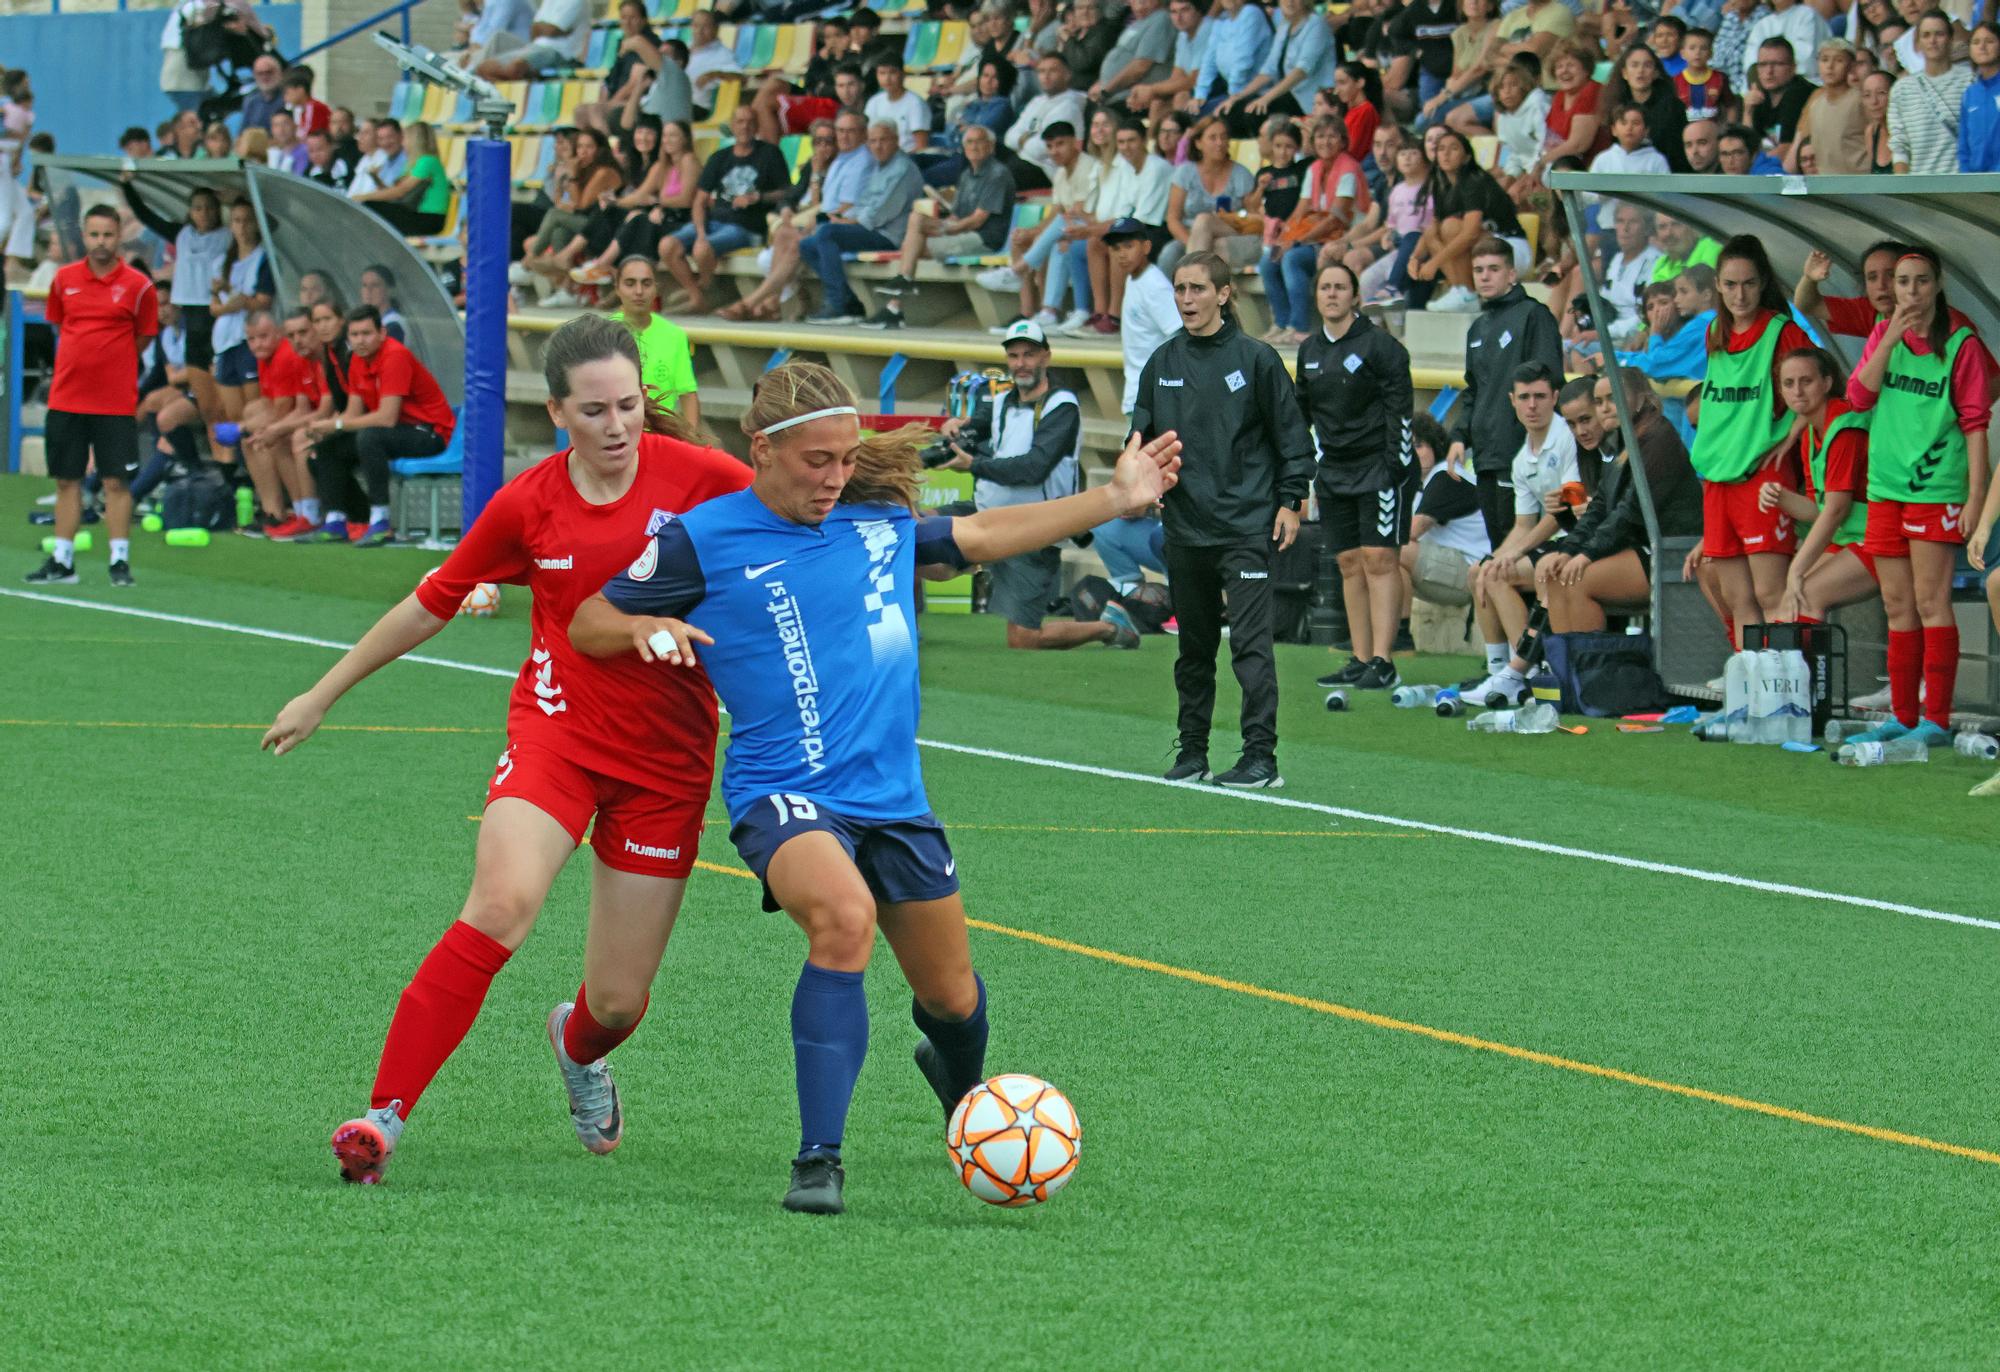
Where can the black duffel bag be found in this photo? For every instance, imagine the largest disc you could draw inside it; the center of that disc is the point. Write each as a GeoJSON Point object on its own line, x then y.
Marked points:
{"type": "Point", "coordinates": [1605, 674]}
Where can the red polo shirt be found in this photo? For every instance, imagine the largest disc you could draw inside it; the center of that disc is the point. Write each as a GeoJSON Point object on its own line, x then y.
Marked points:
{"type": "Point", "coordinates": [286, 373]}
{"type": "Point", "coordinates": [101, 321]}
{"type": "Point", "coordinates": [394, 370]}
{"type": "Point", "coordinates": [311, 116]}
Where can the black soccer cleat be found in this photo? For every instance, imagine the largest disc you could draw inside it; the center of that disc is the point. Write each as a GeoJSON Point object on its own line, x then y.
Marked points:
{"type": "Point", "coordinates": [1191, 765]}
{"type": "Point", "coordinates": [1378, 675]}
{"type": "Point", "coordinates": [816, 1181]}
{"type": "Point", "coordinates": [52, 573]}
{"type": "Point", "coordinates": [121, 574]}
{"type": "Point", "coordinates": [1346, 676]}
{"type": "Point", "coordinates": [1252, 774]}
{"type": "Point", "coordinates": [932, 1066]}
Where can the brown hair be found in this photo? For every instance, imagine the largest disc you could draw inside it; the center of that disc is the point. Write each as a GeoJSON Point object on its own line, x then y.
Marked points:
{"type": "Point", "coordinates": [593, 338]}
{"type": "Point", "coordinates": [886, 468]}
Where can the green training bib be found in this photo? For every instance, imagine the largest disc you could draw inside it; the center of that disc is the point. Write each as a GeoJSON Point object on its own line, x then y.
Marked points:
{"type": "Point", "coordinates": [1738, 425]}
{"type": "Point", "coordinates": [1856, 524]}
{"type": "Point", "coordinates": [1921, 457]}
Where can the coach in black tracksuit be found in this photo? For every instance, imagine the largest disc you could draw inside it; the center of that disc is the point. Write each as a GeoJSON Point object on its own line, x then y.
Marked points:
{"type": "Point", "coordinates": [1246, 464]}
{"type": "Point", "coordinates": [1354, 386]}
{"type": "Point", "coordinates": [1511, 329]}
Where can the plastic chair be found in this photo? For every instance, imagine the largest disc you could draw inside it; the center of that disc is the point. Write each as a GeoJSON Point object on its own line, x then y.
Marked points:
{"type": "Point", "coordinates": [434, 472]}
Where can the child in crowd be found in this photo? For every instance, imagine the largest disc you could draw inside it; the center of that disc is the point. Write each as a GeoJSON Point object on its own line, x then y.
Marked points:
{"type": "Point", "coordinates": [1408, 214]}
{"type": "Point", "coordinates": [1699, 88]}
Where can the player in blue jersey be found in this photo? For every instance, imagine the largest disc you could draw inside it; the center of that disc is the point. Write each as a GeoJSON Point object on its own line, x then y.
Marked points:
{"type": "Point", "coordinates": [802, 589]}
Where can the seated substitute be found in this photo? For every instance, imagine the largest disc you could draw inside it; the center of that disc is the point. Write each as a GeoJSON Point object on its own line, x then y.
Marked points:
{"type": "Point", "coordinates": [1036, 437]}
{"type": "Point", "coordinates": [1447, 531]}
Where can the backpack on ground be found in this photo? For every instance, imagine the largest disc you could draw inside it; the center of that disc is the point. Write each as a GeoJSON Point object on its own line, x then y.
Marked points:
{"type": "Point", "coordinates": [1605, 674]}
{"type": "Point", "coordinates": [200, 500]}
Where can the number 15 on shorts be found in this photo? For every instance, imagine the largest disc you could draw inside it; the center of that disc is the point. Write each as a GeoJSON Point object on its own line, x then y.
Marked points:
{"type": "Point", "coordinates": [791, 807]}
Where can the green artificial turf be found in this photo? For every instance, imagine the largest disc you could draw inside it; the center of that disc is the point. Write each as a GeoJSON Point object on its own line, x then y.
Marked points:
{"type": "Point", "coordinates": [203, 945]}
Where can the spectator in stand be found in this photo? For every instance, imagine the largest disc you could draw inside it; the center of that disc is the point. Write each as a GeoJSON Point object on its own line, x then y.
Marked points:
{"type": "Point", "coordinates": [670, 96]}
{"type": "Point", "coordinates": [135, 143]}
{"type": "Point", "coordinates": [346, 135]}
{"type": "Point", "coordinates": [1680, 247]}
{"type": "Point", "coordinates": [893, 103]}
{"type": "Point", "coordinates": [632, 68]}
{"type": "Point", "coordinates": [1301, 58]}
{"type": "Point", "coordinates": [1087, 38]}
{"type": "Point", "coordinates": [1979, 107]}
{"type": "Point", "coordinates": [1665, 37]}
{"type": "Point", "coordinates": [200, 244]}
{"type": "Point", "coordinates": [986, 30]}
{"type": "Point", "coordinates": [666, 358]}
{"type": "Point", "coordinates": [783, 108]}
{"type": "Point", "coordinates": [216, 143]}
{"type": "Point", "coordinates": [252, 145]}
{"type": "Point", "coordinates": [1468, 208]}
{"type": "Point", "coordinates": [395, 409]}
{"type": "Point", "coordinates": [307, 113]}
{"type": "Point", "coordinates": [1056, 104]}
{"type": "Point", "coordinates": [1447, 535]}
{"type": "Point", "coordinates": [378, 292]}
{"type": "Point", "coordinates": [1640, 80]}
{"type": "Point", "coordinates": [382, 167]}
{"type": "Point", "coordinates": [1511, 330]}
{"type": "Point", "coordinates": [1736, 153]}
{"type": "Point", "coordinates": [1698, 86]}
{"type": "Point", "coordinates": [1922, 107]}
{"type": "Point", "coordinates": [982, 207]}
{"type": "Point", "coordinates": [1630, 151]}
{"type": "Point", "coordinates": [1520, 120]}
{"type": "Point", "coordinates": [1475, 47]}
{"type": "Point", "coordinates": [876, 224]}
{"type": "Point", "coordinates": [1356, 96]}
{"type": "Point", "coordinates": [594, 175]}
{"type": "Point", "coordinates": [1072, 195]}
{"type": "Point", "coordinates": [1139, 186]}
{"type": "Point", "coordinates": [991, 108]}
{"type": "Point", "coordinates": [1423, 32]}
{"type": "Point", "coordinates": [740, 186]}
{"type": "Point", "coordinates": [1627, 272]}
{"type": "Point", "coordinates": [663, 199]}
{"type": "Point", "coordinates": [710, 62]}
{"type": "Point", "coordinates": [1333, 199]}
{"type": "Point", "coordinates": [1673, 346]}
{"type": "Point", "coordinates": [323, 164]}
{"type": "Point", "coordinates": [287, 152]}
{"type": "Point", "coordinates": [1142, 56]}
{"type": "Point", "coordinates": [1535, 28]}
{"type": "Point", "coordinates": [846, 177]}
{"type": "Point", "coordinates": [1239, 36]}
{"type": "Point", "coordinates": [1733, 49]}
{"type": "Point", "coordinates": [515, 18]}
{"type": "Point", "coordinates": [183, 140]}
{"type": "Point", "coordinates": [1150, 316]}
{"type": "Point", "coordinates": [1698, 145]}
{"type": "Point", "coordinates": [557, 38]}
{"type": "Point", "coordinates": [1170, 137]}
{"type": "Point", "coordinates": [1875, 91]}
{"type": "Point", "coordinates": [1193, 30]}
{"type": "Point", "coordinates": [1776, 98]}
{"type": "Point", "coordinates": [266, 95]}
{"type": "Point", "coordinates": [416, 202]}
{"type": "Point", "coordinates": [1834, 122]}
{"type": "Point", "coordinates": [1212, 179]}
{"type": "Point", "coordinates": [1797, 24]}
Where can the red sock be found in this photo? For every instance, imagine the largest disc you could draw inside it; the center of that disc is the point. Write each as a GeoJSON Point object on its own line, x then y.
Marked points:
{"type": "Point", "coordinates": [1729, 623]}
{"type": "Point", "coordinates": [584, 1039]}
{"type": "Point", "coordinates": [435, 1012]}
{"type": "Point", "coordinates": [1807, 619]}
{"type": "Point", "coordinates": [1940, 673]}
{"type": "Point", "coordinates": [1906, 669]}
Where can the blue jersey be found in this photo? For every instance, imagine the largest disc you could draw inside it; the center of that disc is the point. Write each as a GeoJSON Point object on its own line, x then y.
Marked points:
{"type": "Point", "coordinates": [815, 646]}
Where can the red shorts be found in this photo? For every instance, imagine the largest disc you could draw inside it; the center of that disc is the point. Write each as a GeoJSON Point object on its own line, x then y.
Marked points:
{"type": "Point", "coordinates": [1867, 558]}
{"type": "Point", "coordinates": [1893, 523]}
{"type": "Point", "coordinates": [1733, 526]}
{"type": "Point", "coordinates": [637, 830]}
{"type": "Point", "coordinates": [799, 111]}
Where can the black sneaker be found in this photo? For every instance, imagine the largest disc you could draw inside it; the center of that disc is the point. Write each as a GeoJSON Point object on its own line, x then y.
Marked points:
{"type": "Point", "coordinates": [884, 318]}
{"type": "Point", "coordinates": [1191, 765]}
{"type": "Point", "coordinates": [1405, 641]}
{"type": "Point", "coordinates": [1252, 774]}
{"type": "Point", "coordinates": [52, 573]}
{"type": "Point", "coordinates": [897, 285]}
{"type": "Point", "coordinates": [932, 1066]}
{"type": "Point", "coordinates": [816, 1181]}
{"type": "Point", "coordinates": [1379, 675]}
{"type": "Point", "coordinates": [1346, 676]}
{"type": "Point", "coordinates": [121, 574]}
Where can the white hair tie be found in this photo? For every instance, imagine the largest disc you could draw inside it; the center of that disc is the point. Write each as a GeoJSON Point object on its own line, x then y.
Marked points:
{"type": "Point", "coordinates": [807, 418]}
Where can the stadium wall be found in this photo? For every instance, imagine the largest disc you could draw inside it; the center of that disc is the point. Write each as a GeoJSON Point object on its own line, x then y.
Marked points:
{"type": "Point", "coordinates": [97, 73]}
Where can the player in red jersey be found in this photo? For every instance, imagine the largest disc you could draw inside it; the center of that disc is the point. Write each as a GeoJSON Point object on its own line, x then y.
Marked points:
{"type": "Point", "coordinates": [616, 740]}
{"type": "Point", "coordinates": [102, 310]}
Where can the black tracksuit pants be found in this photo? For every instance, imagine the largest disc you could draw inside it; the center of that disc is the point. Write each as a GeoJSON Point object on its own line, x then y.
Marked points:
{"type": "Point", "coordinates": [339, 458]}
{"type": "Point", "coordinates": [1198, 577]}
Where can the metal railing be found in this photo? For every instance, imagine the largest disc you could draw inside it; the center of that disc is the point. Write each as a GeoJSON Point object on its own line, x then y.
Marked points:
{"type": "Point", "coordinates": [401, 10]}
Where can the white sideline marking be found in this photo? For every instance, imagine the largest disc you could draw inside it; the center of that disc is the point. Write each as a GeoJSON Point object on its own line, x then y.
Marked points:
{"type": "Point", "coordinates": [1671, 869]}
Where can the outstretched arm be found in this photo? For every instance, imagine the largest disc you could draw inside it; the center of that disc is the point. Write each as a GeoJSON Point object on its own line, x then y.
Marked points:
{"type": "Point", "coordinates": [407, 625]}
{"type": "Point", "coordinates": [1145, 472]}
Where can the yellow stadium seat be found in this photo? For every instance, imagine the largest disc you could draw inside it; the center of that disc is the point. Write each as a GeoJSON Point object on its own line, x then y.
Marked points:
{"type": "Point", "coordinates": [921, 85]}
{"type": "Point", "coordinates": [1531, 229]}
{"type": "Point", "coordinates": [781, 54]}
{"type": "Point", "coordinates": [438, 104]}
{"type": "Point", "coordinates": [726, 96]}
{"type": "Point", "coordinates": [801, 56]}
{"type": "Point", "coordinates": [1246, 153]}
{"type": "Point", "coordinates": [952, 39]}
{"type": "Point", "coordinates": [1486, 151]}
{"type": "Point", "coordinates": [574, 93]}
{"type": "Point", "coordinates": [452, 150]}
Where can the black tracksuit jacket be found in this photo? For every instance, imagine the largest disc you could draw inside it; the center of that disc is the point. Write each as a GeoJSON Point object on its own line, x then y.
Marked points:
{"type": "Point", "coordinates": [1509, 331]}
{"type": "Point", "coordinates": [1357, 397]}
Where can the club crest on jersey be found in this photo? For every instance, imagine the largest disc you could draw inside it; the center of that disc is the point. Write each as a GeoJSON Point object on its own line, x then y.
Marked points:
{"type": "Point", "coordinates": [648, 563]}
{"type": "Point", "coordinates": [657, 521]}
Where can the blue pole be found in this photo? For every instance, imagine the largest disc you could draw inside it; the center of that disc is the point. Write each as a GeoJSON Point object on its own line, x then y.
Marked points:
{"type": "Point", "coordinates": [16, 322]}
{"type": "Point", "coordinates": [489, 188]}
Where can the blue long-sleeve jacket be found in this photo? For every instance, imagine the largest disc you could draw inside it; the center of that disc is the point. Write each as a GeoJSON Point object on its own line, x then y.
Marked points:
{"type": "Point", "coordinates": [1683, 355]}
{"type": "Point", "coordinates": [1236, 48]}
{"type": "Point", "coordinates": [1979, 126]}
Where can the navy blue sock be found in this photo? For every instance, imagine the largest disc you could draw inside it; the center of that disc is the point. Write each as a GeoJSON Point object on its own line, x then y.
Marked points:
{"type": "Point", "coordinates": [829, 1040]}
{"type": "Point", "coordinates": [960, 1042]}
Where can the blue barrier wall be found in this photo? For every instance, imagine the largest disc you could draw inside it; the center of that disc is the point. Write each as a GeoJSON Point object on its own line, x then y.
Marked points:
{"type": "Point", "coordinates": [96, 74]}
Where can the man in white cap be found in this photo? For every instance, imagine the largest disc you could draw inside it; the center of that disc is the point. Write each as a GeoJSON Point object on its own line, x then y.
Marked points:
{"type": "Point", "coordinates": [1024, 446]}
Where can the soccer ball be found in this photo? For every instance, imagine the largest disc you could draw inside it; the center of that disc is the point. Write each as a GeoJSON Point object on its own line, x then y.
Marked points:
{"type": "Point", "coordinates": [1014, 1140]}
{"type": "Point", "coordinates": [484, 602]}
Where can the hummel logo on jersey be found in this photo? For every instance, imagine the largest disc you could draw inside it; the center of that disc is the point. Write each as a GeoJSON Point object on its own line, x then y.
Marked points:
{"type": "Point", "coordinates": [1254, 576]}
{"type": "Point", "coordinates": [1175, 382]}
{"type": "Point", "coordinates": [642, 850]}
{"type": "Point", "coordinates": [556, 564]}
{"type": "Point", "coordinates": [546, 689]}
{"type": "Point", "coordinates": [754, 572]}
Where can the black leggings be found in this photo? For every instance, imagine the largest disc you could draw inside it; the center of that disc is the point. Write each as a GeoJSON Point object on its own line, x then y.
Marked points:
{"type": "Point", "coordinates": [639, 236]}
{"type": "Point", "coordinates": [408, 222]}
{"type": "Point", "coordinates": [1199, 577]}
{"type": "Point", "coordinates": [340, 457]}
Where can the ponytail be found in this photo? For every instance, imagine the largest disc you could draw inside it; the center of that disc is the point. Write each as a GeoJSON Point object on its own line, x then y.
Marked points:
{"type": "Point", "coordinates": [886, 467]}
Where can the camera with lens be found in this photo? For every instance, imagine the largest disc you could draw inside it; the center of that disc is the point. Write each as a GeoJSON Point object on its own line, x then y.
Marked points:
{"type": "Point", "coordinates": [940, 452]}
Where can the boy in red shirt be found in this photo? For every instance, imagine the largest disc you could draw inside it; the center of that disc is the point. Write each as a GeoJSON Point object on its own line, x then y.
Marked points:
{"type": "Point", "coordinates": [395, 409]}
{"type": "Point", "coordinates": [102, 311]}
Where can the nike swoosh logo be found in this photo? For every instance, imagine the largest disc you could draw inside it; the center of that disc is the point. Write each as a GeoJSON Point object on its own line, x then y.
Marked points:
{"type": "Point", "coordinates": [951, 867]}
{"type": "Point", "coordinates": [754, 572]}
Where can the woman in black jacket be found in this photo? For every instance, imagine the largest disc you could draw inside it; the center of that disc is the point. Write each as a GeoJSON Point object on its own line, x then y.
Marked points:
{"type": "Point", "coordinates": [1246, 464]}
{"type": "Point", "coordinates": [1354, 386]}
{"type": "Point", "coordinates": [1608, 559]}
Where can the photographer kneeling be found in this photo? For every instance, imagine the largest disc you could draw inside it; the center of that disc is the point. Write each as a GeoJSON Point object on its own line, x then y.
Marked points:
{"type": "Point", "coordinates": [1023, 448]}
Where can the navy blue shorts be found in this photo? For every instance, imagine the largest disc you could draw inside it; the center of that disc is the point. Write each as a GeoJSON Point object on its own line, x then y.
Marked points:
{"type": "Point", "coordinates": [900, 859]}
{"type": "Point", "coordinates": [235, 366]}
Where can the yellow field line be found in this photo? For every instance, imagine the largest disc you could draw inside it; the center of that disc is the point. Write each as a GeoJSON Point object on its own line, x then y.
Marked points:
{"type": "Point", "coordinates": [158, 724]}
{"type": "Point", "coordinates": [1403, 1026]}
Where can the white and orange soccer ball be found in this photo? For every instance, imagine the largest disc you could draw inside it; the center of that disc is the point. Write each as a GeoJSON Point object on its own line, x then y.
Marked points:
{"type": "Point", "coordinates": [1014, 1140]}
{"type": "Point", "coordinates": [483, 602]}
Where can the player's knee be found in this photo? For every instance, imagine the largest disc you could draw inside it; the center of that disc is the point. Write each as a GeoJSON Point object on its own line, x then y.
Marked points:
{"type": "Point", "coordinates": [1350, 562]}
{"type": "Point", "coordinates": [951, 997]}
{"type": "Point", "coordinates": [1019, 636]}
{"type": "Point", "coordinates": [503, 916]}
{"type": "Point", "coordinates": [1379, 562]}
{"type": "Point", "coordinates": [841, 932]}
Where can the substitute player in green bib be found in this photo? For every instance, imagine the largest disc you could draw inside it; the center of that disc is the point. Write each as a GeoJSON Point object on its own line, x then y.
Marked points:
{"type": "Point", "coordinates": [1744, 438]}
{"type": "Point", "coordinates": [666, 358]}
{"type": "Point", "coordinates": [1930, 388]}
{"type": "Point", "coordinates": [1831, 568]}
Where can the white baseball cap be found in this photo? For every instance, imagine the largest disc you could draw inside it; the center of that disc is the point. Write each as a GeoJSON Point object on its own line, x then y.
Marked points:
{"type": "Point", "coordinates": [1025, 328]}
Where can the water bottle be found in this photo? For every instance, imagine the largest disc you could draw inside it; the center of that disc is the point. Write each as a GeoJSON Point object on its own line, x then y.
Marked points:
{"type": "Point", "coordinates": [1536, 717]}
{"type": "Point", "coordinates": [1837, 729]}
{"type": "Point", "coordinates": [1983, 747]}
{"type": "Point", "coordinates": [1736, 676]}
{"type": "Point", "coordinates": [1491, 722]}
{"type": "Point", "coordinates": [1727, 731]}
{"type": "Point", "coordinates": [1904, 749]}
{"type": "Point", "coordinates": [1414, 697]}
{"type": "Point", "coordinates": [1336, 701]}
{"type": "Point", "coordinates": [1449, 704]}
{"type": "Point", "coordinates": [246, 507]}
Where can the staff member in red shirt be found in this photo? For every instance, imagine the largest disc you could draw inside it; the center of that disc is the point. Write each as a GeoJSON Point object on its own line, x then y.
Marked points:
{"type": "Point", "coordinates": [291, 393]}
{"type": "Point", "coordinates": [394, 409]}
{"type": "Point", "coordinates": [101, 310]}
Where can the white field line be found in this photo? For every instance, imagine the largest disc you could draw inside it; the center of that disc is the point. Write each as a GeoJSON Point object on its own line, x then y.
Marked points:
{"type": "Point", "coordinates": [1779, 888]}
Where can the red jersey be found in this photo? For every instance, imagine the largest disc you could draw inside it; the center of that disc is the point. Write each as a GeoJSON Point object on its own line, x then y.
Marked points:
{"type": "Point", "coordinates": [1853, 317]}
{"type": "Point", "coordinates": [286, 373]}
{"type": "Point", "coordinates": [311, 117]}
{"type": "Point", "coordinates": [101, 321]}
{"type": "Point", "coordinates": [394, 370]}
{"type": "Point", "coordinates": [1846, 460]}
{"type": "Point", "coordinates": [636, 721]}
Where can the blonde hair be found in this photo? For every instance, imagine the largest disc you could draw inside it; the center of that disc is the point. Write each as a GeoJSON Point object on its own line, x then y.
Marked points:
{"type": "Point", "coordinates": [422, 139]}
{"type": "Point", "coordinates": [886, 468]}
